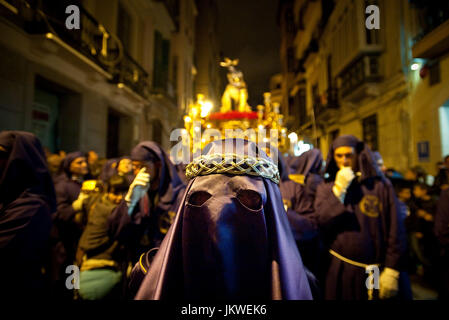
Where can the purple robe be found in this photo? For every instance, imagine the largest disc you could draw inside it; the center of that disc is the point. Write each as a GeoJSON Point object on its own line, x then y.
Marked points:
{"type": "Point", "coordinates": [299, 205]}
{"type": "Point", "coordinates": [367, 228]}
{"type": "Point", "coordinates": [27, 201]}
{"type": "Point", "coordinates": [67, 191]}
{"type": "Point", "coordinates": [221, 247]}
{"type": "Point", "coordinates": [299, 208]}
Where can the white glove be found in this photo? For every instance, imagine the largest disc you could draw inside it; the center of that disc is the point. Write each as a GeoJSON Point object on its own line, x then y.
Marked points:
{"type": "Point", "coordinates": [77, 205]}
{"type": "Point", "coordinates": [137, 189]}
{"type": "Point", "coordinates": [343, 179]}
{"type": "Point", "coordinates": [388, 283]}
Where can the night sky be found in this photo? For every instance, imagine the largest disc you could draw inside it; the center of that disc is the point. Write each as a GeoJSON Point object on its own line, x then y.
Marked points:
{"type": "Point", "coordinates": [247, 30]}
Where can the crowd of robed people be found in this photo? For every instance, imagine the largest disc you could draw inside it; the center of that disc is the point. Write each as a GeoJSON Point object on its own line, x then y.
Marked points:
{"type": "Point", "coordinates": [136, 227]}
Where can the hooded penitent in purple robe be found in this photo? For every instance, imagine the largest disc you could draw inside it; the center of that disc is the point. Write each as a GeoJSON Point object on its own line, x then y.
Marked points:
{"type": "Point", "coordinates": [366, 228]}
{"type": "Point", "coordinates": [230, 239]}
{"type": "Point", "coordinates": [67, 191]}
{"type": "Point", "coordinates": [155, 212]}
{"type": "Point", "coordinates": [299, 207]}
{"type": "Point", "coordinates": [27, 201]}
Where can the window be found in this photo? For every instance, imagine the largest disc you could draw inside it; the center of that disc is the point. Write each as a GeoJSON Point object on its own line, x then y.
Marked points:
{"type": "Point", "coordinates": [370, 132]}
{"type": "Point", "coordinates": [124, 27]}
{"type": "Point", "coordinates": [161, 61]}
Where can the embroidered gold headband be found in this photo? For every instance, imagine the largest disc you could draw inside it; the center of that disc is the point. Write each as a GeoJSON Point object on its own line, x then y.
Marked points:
{"type": "Point", "coordinates": [232, 164]}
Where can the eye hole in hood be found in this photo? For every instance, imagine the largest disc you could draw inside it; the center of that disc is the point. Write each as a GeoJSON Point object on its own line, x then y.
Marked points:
{"type": "Point", "coordinates": [198, 198]}
{"type": "Point", "coordinates": [250, 199]}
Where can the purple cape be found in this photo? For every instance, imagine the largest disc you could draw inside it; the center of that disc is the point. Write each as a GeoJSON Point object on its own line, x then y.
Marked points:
{"type": "Point", "coordinates": [223, 249]}
{"type": "Point", "coordinates": [299, 205]}
{"type": "Point", "coordinates": [27, 202]}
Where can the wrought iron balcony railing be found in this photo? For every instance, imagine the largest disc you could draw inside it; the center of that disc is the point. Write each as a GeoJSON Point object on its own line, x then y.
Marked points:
{"type": "Point", "coordinates": [364, 69]}
{"type": "Point", "coordinates": [92, 40]}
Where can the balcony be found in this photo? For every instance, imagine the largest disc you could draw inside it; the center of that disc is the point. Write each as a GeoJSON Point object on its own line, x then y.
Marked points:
{"type": "Point", "coordinates": [433, 39]}
{"type": "Point", "coordinates": [92, 42]}
{"type": "Point", "coordinates": [360, 79]}
{"type": "Point", "coordinates": [130, 73]}
{"type": "Point", "coordinates": [326, 105]}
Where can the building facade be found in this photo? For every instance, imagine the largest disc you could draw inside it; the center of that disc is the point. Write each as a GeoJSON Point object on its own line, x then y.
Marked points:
{"type": "Point", "coordinates": [113, 82]}
{"type": "Point", "coordinates": [207, 53]}
{"type": "Point", "coordinates": [387, 86]}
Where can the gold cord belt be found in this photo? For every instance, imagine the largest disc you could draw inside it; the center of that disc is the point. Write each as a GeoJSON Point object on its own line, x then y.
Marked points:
{"type": "Point", "coordinates": [352, 262]}
{"type": "Point", "coordinates": [367, 267]}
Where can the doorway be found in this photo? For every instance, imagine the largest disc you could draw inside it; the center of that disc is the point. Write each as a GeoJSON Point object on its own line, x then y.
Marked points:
{"type": "Point", "coordinates": [443, 114]}
{"type": "Point", "coordinates": [55, 116]}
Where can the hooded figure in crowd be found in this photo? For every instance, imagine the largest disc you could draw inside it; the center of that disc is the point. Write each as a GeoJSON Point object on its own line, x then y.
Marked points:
{"type": "Point", "coordinates": [299, 207]}
{"type": "Point", "coordinates": [231, 238]}
{"type": "Point", "coordinates": [27, 202]}
{"type": "Point", "coordinates": [68, 221]}
{"type": "Point", "coordinates": [69, 200]}
{"type": "Point", "coordinates": [306, 170]}
{"type": "Point", "coordinates": [357, 211]}
{"type": "Point", "coordinates": [149, 207]}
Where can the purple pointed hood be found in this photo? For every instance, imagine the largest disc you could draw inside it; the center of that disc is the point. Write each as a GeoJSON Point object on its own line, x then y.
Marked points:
{"type": "Point", "coordinates": [230, 240]}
